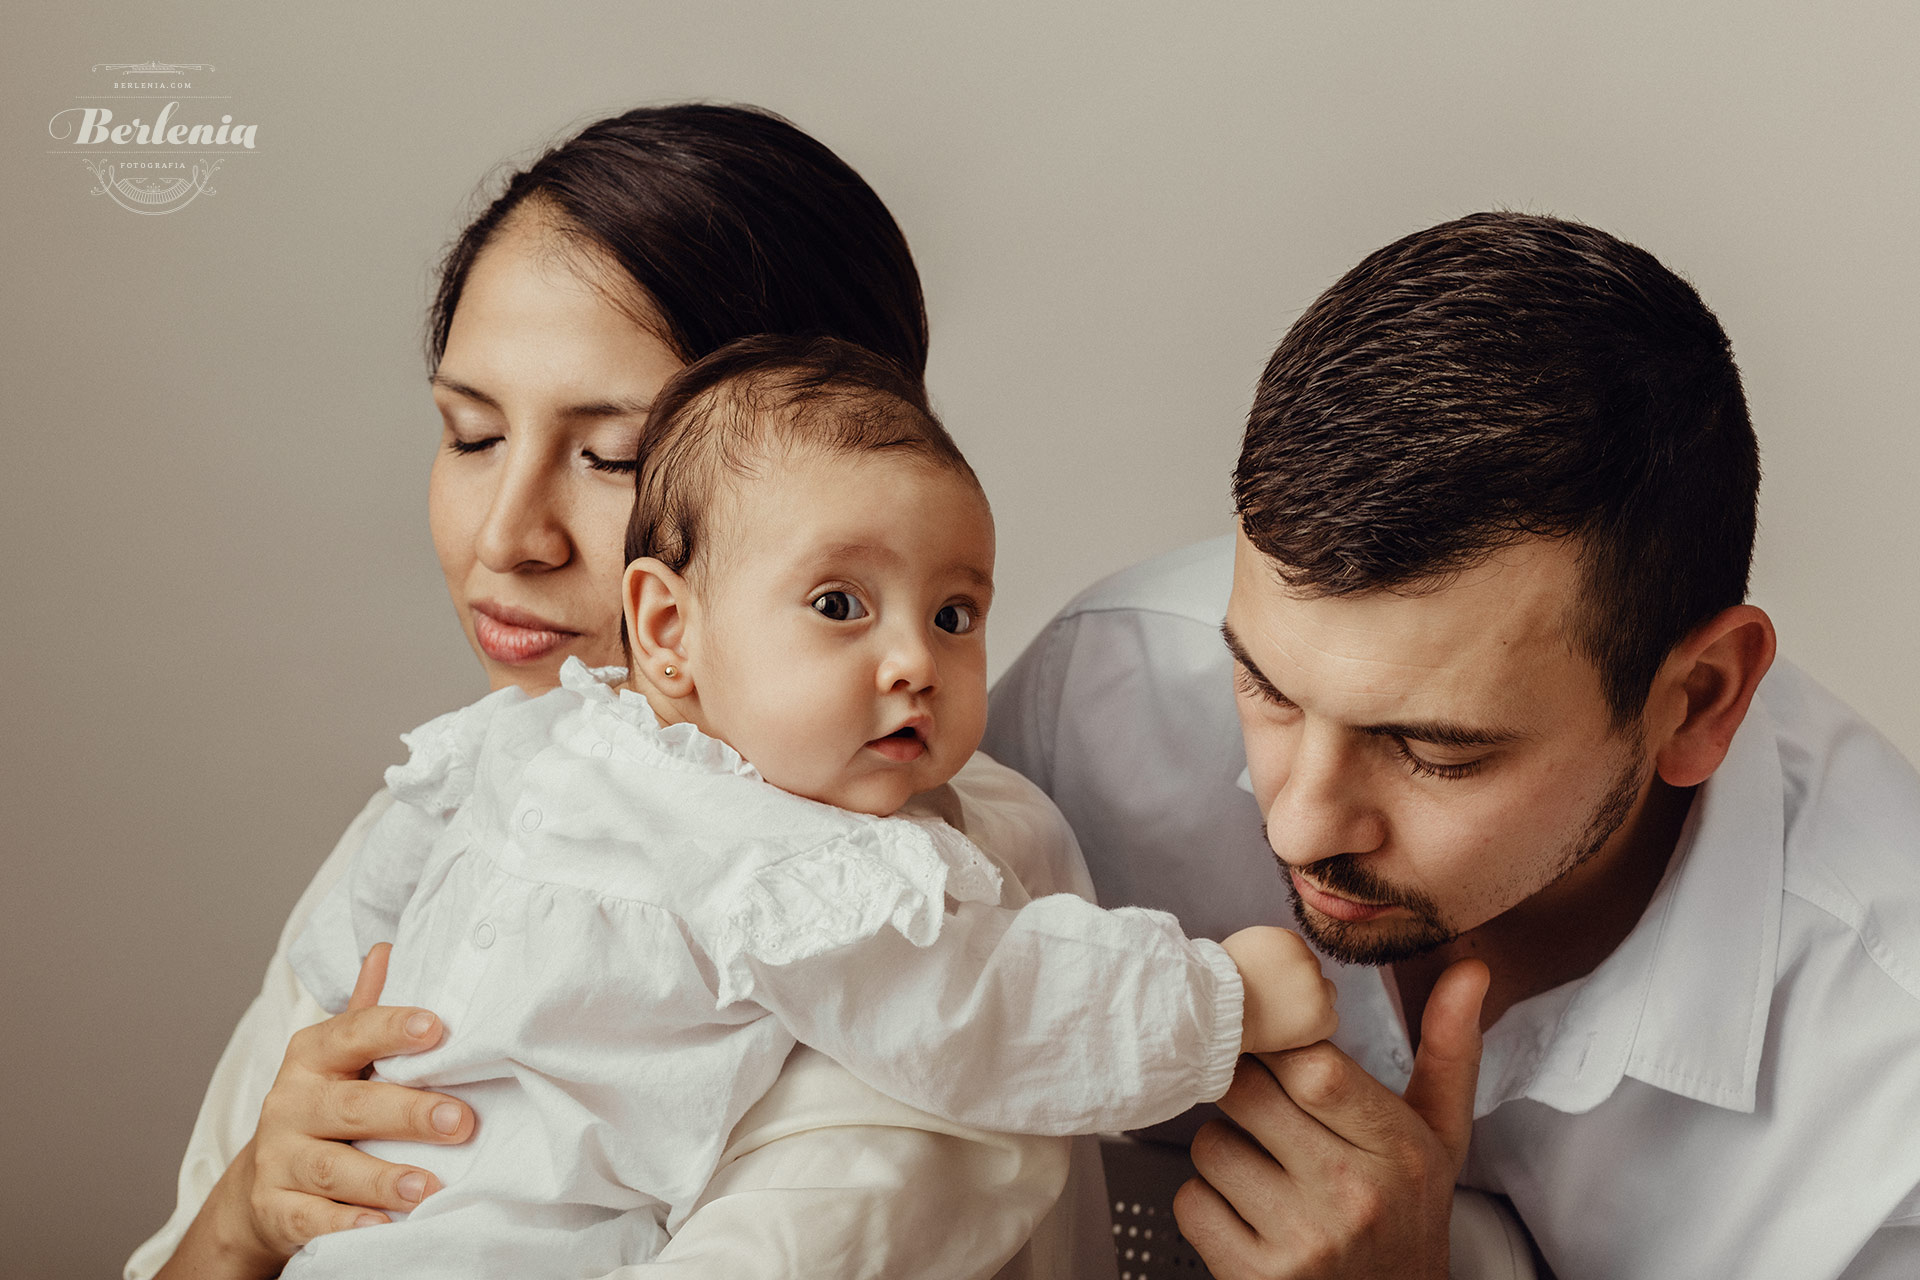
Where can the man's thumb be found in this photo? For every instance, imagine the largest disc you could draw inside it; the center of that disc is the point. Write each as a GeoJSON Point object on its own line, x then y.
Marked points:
{"type": "Point", "coordinates": [1447, 1066]}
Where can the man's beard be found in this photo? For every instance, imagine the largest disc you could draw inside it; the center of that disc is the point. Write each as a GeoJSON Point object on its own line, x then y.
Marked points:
{"type": "Point", "coordinates": [1351, 942]}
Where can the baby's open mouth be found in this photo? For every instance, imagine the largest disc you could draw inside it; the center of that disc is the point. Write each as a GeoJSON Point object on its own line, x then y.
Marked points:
{"type": "Point", "coordinates": [903, 744]}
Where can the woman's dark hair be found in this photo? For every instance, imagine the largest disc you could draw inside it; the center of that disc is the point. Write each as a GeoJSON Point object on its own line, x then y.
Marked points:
{"type": "Point", "coordinates": [729, 220]}
{"type": "Point", "coordinates": [1506, 376]}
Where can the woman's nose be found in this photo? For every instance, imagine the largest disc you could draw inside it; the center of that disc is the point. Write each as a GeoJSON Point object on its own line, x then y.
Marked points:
{"type": "Point", "coordinates": [525, 528]}
{"type": "Point", "coordinates": [1322, 807]}
{"type": "Point", "coordinates": [908, 663]}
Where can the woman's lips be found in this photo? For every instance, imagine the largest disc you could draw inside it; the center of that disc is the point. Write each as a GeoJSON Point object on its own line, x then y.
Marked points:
{"type": "Point", "coordinates": [1328, 905]}
{"type": "Point", "coordinates": [513, 635]}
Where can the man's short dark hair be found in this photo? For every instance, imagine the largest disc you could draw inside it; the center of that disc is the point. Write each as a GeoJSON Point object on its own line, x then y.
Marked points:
{"type": "Point", "coordinates": [1499, 377]}
{"type": "Point", "coordinates": [723, 415]}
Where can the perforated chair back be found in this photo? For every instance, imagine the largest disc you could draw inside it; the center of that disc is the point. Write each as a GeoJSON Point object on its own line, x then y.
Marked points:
{"type": "Point", "coordinates": [1141, 1180]}
{"type": "Point", "coordinates": [1487, 1239]}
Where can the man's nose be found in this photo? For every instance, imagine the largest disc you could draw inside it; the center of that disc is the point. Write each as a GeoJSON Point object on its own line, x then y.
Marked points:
{"type": "Point", "coordinates": [525, 528]}
{"type": "Point", "coordinates": [1323, 806]}
{"type": "Point", "coordinates": [908, 662]}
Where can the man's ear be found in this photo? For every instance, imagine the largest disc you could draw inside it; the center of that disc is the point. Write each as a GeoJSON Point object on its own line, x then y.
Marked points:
{"type": "Point", "coordinates": [1703, 689]}
{"type": "Point", "coordinates": [656, 601]}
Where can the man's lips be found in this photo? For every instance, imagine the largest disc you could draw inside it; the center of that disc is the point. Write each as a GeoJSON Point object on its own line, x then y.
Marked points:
{"type": "Point", "coordinates": [511, 635]}
{"type": "Point", "coordinates": [904, 744]}
{"type": "Point", "coordinates": [1328, 904]}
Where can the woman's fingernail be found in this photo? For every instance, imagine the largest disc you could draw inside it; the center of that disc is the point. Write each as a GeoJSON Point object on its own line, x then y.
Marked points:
{"type": "Point", "coordinates": [419, 1024]}
{"type": "Point", "coordinates": [446, 1117]}
{"type": "Point", "coordinates": [370, 1220]}
{"type": "Point", "coordinates": [413, 1187]}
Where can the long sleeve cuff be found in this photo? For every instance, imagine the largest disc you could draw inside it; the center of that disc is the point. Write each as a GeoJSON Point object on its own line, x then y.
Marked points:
{"type": "Point", "coordinates": [1229, 1007]}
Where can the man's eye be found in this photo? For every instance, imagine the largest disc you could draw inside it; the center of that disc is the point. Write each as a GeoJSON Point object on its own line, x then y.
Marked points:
{"type": "Point", "coordinates": [957, 618]}
{"type": "Point", "coordinates": [1430, 769]}
{"type": "Point", "coordinates": [838, 606]}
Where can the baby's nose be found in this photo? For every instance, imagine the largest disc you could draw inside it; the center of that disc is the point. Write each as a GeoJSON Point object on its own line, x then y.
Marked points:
{"type": "Point", "coordinates": [908, 664]}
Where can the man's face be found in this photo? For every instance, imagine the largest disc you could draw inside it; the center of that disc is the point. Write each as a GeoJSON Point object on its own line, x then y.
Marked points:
{"type": "Point", "coordinates": [1426, 762]}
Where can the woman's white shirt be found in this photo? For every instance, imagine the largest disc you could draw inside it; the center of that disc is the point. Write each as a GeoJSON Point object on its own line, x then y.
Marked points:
{"type": "Point", "coordinates": [812, 1178]}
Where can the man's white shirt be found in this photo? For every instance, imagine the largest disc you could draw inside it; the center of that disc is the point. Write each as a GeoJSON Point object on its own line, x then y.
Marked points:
{"type": "Point", "coordinates": [1735, 1091]}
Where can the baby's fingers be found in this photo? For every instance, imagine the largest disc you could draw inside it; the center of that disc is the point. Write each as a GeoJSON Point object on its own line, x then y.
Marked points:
{"type": "Point", "coordinates": [1288, 1003]}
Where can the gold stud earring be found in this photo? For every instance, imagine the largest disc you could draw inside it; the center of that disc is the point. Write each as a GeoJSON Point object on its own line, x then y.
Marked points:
{"type": "Point", "coordinates": [668, 672]}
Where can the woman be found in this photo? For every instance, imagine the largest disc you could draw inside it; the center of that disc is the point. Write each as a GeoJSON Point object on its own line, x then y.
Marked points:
{"type": "Point", "coordinates": [643, 243]}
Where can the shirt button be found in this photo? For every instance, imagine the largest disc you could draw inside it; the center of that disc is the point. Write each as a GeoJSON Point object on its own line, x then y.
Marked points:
{"type": "Point", "coordinates": [603, 749]}
{"type": "Point", "coordinates": [483, 935]}
{"type": "Point", "coordinates": [530, 819]}
{"type": "Point", "coordinates": [1401, 1060]}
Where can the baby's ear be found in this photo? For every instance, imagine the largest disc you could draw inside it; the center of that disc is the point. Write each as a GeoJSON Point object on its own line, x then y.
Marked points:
{"type": "Point", "coordinates": [656, 602]}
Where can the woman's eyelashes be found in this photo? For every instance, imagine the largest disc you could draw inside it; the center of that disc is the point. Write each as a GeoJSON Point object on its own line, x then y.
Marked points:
{"type": "Point", "coordinates": [594, 461]}
{"type": "Point", "coordinates": [615, 466]}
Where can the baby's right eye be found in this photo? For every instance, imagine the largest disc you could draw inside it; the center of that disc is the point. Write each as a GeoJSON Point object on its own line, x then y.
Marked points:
{"type": "Point", "coordinates": [840, 606]}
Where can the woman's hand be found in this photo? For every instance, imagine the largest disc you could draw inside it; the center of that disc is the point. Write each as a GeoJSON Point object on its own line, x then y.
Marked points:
{"type": "Point", "coordinates": [298, 1178]}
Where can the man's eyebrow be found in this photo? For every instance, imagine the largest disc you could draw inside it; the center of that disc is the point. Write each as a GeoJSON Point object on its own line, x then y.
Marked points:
{"type": "Point", "coordinates": [1253, 673]}
{"type": "Point", "coordinates": [1441, 733]}
{"type": "Point", "coordinates": [622, 407]}
{"type": "Point", "coordinates": [1444, 733]}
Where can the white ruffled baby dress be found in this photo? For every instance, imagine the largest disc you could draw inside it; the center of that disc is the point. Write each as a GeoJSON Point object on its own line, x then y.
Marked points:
{"type": "Point", "coordinates": [624, 929]}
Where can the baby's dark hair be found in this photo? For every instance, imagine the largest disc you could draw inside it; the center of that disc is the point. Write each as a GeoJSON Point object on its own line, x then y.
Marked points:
{"type": "Point", "coordinates": [769, 393]}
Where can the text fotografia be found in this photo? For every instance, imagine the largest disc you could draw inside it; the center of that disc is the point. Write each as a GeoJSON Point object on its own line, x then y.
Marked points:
{"type": "Point", "coordinates": [96, 127]}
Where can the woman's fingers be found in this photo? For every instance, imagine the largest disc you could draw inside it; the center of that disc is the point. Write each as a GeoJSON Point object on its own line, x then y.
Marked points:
{"type": "Point", "coordinates": [346, 1044]}
{"type": "Point", "coordinates": [352, 1110]}
{"type": "Point", "coordinates": [288, 1219]}
{"type": "Point", "coordinates": [342, 1111]}
{"type": "Point", "coordinates": [373, 976]}
{"type": "Point", "coordinates": [335, 1171]}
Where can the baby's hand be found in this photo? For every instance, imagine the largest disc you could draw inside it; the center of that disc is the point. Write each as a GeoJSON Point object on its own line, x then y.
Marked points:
{"type": "Point", "coordinates": [1288, 1003]}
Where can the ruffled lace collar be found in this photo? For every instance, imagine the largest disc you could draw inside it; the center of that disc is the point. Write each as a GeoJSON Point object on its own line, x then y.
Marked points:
{"type": "Point", "coordinates": [681, 744]}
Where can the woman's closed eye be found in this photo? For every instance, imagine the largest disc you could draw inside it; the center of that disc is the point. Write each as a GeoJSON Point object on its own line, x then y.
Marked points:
{"type": "Point", "coordinates": [616, 466]}
{"type": "Point", "coordinates": [481, 445]}
{"type": "Point", "coordinates": [839, 606]}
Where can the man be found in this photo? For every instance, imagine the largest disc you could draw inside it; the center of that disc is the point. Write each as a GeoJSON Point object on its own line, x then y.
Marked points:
{"type": "Point", "coordinates": [1510, 732]}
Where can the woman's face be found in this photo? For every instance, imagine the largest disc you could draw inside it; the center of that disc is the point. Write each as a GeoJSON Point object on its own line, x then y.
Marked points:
{"type": "Point", "coordinates": [542, 391]}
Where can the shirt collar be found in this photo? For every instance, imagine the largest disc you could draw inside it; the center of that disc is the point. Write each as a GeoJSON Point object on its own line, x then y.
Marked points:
{"type": "Point", "coordinates": [1682, 1003]}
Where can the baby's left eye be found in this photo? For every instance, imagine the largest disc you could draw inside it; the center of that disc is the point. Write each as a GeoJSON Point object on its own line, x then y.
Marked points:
{"type": "Point", "coordinates": [957, 618]}
{"type": "Point", "coordinates": [838, 606]}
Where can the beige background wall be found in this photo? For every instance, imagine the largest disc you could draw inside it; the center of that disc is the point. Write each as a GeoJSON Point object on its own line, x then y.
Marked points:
{"type": "Point", "coordinates": [219, 601]}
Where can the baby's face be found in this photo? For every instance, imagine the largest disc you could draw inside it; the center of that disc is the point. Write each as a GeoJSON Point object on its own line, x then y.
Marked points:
{"type": "Point", "coordinates": [839, 643]}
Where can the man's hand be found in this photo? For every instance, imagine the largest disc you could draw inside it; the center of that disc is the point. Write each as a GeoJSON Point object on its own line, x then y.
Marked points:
{"type": "Point", "coordinates": [1353, 1181]}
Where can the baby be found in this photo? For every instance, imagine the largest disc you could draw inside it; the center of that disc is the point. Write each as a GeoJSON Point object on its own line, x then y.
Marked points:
{"type": "Point", "coordinates": [628, 903]}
